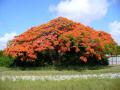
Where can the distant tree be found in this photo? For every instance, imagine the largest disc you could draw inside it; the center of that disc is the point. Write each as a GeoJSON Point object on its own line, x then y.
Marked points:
{"type": "Point", "coordinates": [1, 53]}
{"type": "Point", "coordinates": [118, 50]}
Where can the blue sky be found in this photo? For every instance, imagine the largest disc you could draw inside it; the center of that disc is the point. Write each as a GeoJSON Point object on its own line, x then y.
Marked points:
{"type": "Point", "coordinates": [16, 16]}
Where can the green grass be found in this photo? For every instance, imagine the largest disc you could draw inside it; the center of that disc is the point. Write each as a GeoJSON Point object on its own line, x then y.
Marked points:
{"type": "Point", "coordinates": [59, 71]}
{"type": "Point", "coordinates": [74, 84]}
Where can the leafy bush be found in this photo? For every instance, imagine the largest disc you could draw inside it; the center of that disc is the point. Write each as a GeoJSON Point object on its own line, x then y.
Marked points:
{"type": "Point", "coordinates": [118, 50]}
{"type": "Point", "coordinates": [5, 60]}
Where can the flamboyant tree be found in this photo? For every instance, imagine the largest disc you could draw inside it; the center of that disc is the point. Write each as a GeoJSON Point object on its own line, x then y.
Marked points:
{"type": "Point", "coordinates": [61, 37]}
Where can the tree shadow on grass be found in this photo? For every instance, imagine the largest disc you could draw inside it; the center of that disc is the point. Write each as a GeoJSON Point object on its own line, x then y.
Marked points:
{"type": "Point", "coordinates": [27, 65]}
{"type": "Point", "coordinates": [80, 68]}
{"type": "Point", "coordinates": [61, 68]}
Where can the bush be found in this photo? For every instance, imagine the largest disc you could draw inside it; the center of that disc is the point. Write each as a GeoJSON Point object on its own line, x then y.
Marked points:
{"type": "Point", "coordinates": [5, 60]}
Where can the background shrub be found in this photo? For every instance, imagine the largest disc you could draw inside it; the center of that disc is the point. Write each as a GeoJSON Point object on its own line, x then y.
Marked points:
{"type": "Point", "coordinates": [5, 60]}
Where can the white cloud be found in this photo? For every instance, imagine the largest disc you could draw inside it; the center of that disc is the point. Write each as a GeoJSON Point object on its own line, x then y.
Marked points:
{"type": "Point", "coordinates": [5, 39]}
{"type": "Point", "coordinates": [84, 11]}
{"type": "Point", "coordinates": [115, 30]}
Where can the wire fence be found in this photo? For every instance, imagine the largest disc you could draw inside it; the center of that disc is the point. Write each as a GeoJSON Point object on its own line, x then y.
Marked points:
{"type": "Point", "coordinates": [114, 60]}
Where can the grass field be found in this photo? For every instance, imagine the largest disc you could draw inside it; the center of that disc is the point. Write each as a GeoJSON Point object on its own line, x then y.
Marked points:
{"type": "Point", "coordinates": [59, 71]}
{"type": "Point", "coordinates": [72, 84]}
{"type": "Point", "coordinates": [75, 84]}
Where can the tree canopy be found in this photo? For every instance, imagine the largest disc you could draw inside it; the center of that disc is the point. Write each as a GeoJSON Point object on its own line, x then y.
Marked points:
{"type": "Point", "coordinates": [61, 37]}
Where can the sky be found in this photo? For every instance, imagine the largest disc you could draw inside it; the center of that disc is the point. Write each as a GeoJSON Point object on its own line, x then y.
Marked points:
{"type": "Point", "coordinates": [17, 16]}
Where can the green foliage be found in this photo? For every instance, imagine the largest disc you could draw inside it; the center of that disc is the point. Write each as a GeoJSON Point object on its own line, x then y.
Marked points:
{"type": "Point", "coordinates": [5, 60]}
{"type": "Point", "coordinates": [118, 50]}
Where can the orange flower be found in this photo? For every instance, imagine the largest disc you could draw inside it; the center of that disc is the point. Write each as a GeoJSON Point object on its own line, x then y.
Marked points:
{"type": "Point", "coordinates": [61, 34]}
{"type": "Point", "coordinates": [84, 59]}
